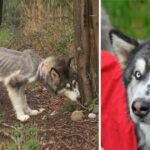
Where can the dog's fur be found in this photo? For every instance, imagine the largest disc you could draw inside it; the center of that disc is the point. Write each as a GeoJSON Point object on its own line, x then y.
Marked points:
{"type": "Point", "coordinates": [17, 69]}
{"type": "Point", "coordinates": [105, 28]}
{"type": "Point", "coordinates": [135, 61]}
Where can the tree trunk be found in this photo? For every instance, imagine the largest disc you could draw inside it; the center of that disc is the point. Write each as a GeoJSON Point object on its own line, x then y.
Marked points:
{"type": "Point", "coordinates": [86, 39]}
{"type": "Point", "coordinates": [1, 11]}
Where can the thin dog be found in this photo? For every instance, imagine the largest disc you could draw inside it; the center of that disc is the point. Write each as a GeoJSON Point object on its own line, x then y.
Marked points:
{"type": "Point", "coordinates": [18, 69]}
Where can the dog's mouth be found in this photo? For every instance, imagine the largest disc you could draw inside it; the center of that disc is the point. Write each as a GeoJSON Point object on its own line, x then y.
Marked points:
{"type": "Point", "coordinates": [138, 119]}
{"type": "Point", "coordinates": [144, 120]}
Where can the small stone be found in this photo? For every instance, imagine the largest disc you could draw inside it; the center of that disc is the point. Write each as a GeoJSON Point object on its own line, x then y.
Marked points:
{"type": "Point", "coordinates": [44, 89]}
{"type": "Point", "coordinates": [77, 115]}
{"type": "Point", "coordinates": [92, 115]}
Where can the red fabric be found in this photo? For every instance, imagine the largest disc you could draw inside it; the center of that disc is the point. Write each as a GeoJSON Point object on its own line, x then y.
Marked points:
{"type": "Point", "coordinates": [117, 129]}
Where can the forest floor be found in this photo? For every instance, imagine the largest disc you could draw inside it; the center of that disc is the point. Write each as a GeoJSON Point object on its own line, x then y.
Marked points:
{"type": "Point", "coordinates": [51, 130]}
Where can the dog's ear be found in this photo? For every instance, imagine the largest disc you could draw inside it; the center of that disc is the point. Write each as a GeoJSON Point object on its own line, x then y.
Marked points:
{"type": "Point", "coordinates": [69, 61]}
{"type": "Point", "coordinates": [54, 74]}
{"type": "Point", "coordinates": [122, 45]}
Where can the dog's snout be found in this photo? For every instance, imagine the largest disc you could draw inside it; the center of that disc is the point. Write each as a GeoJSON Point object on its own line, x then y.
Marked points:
{"type": "Point", "coordinates": [140, 108]}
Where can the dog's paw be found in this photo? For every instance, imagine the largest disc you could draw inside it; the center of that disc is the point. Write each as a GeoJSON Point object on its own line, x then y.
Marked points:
{"type": "Point", "coordinates": [23, 118]}
{"type": "Point", "coordinates": [36, 112]}
{"type": "Point", "coordinates": [41, 110]}
{"type": "Point", "coordinates": [33, 112]}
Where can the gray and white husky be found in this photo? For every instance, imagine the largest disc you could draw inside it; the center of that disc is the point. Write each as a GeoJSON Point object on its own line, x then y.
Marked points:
{"type": "Point", "coordinates": [17, 69]}
{"type": "Point", "coordinates": [135, 61]}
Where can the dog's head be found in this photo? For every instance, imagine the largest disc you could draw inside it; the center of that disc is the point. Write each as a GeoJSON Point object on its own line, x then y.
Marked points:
{"type": "Point", "coordinates": [135, 61]}
{"type": "Point", "coordinates": [61, 77]}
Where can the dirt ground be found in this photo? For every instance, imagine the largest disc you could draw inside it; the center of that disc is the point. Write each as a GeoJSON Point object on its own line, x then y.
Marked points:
{"type": "Point", "coordinates": [56, 131]}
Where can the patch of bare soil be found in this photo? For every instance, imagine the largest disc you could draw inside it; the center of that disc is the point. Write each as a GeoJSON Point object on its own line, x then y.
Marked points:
{"type": "Point", "coordinates": [56, 130]}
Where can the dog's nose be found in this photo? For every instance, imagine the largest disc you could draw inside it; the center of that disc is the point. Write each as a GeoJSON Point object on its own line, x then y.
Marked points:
{"type": "Point", "coordinates": [140, 108]}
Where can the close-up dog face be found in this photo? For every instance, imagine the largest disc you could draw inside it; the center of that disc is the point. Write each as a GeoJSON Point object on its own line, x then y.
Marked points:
{"type": "Point", "coordinates": [135, 61]}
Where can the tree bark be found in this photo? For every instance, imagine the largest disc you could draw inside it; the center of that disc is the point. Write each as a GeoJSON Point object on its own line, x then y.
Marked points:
{"type": "Point", "coordinates": [1, 11]}
{"type": "Point", "coordinates": [86, 41]}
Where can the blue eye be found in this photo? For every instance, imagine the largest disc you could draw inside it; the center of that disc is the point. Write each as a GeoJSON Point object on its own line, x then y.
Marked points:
{"type": "Point", "coordinates": [138, 75]}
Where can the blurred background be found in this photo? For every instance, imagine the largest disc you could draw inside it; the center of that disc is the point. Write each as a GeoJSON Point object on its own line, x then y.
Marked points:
{"type": "Point", "coordinates": [130, 16]}
{"type": "Point", "coordinates": [44, 25]}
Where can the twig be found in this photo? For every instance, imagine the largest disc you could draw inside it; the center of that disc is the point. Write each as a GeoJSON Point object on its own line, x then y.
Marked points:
{"type": "Point", "coordinates": [81, 105]}
{"type": "Point", "coordinates": [79, 126]}
{"type": "Point", "coordinates": [7, 125]}
{"type": "Point", "coordinates": [5, 133]}
{"type": "Point", "coordinates": [66, 145]}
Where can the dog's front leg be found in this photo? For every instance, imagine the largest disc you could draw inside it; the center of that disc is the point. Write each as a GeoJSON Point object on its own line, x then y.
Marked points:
{"type": "Point", "coordinates": [16, 98]}
{"type": "Point", "coordinates": [15, 85]}
{"type": "Point", "coordinates": [26, 107]}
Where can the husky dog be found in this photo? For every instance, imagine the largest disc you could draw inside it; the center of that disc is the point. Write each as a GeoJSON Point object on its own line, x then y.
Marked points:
{"type": "Point", "coordinates": [135, 61]}
{"type": "Point", "coordinates": [17, 69]}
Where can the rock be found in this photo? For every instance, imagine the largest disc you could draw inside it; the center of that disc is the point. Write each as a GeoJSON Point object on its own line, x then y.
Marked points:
{"type": "Point", "coordinates": [44, 89]}
{"type": "Point", "coordinates": [77, 115]}
{"type": "Point", "coordinates": [92, 115]}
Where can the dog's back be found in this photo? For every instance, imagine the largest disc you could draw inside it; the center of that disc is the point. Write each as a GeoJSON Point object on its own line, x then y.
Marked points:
{"type": "Point", "coordinates": [10, 60]}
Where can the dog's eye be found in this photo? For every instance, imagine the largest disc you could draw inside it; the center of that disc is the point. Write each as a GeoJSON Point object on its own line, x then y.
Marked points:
{"type": "Point", "coordinates": [138, 75]}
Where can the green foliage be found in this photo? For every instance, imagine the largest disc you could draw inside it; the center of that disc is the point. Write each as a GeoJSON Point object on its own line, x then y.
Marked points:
{"type": "Point", "coordinates": [92, 105]}
{"type": "Point", "coordinates": [12, 12]}
{"type": "Point", "coordinates": [1, 118]}
{"type": "Point", "coordinates": [31, 144]}
{"type": "Point", "coordinates": [33, 130]}
{"type": "Point", "coordinates": [69, 106]}
{"type": "Point", "coordinates": [60, 45]}
{"type": "Point", "coordinates": [12, 146]}
{"type": "Point", "coordinates": [130, 16]}
{"type": "Point", "coordinates": [26, 137]}
{"type": "Point", "coordinates": [5, 36]}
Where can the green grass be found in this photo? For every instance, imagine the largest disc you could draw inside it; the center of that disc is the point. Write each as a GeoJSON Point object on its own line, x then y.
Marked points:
{"type": "Point", "coordinates": [26, 137]}
{"type": "Point", "coordinates": [5, 36]}
{"type": "Point", "coordinates": [130, 16]}
{"type": "Point", "coordinates": [60, 45]}
{"type": "Point", "coordinates": [32, 144]}
{"type": "Point", "coordinates": [12, 146]}
{"type": "Point", "coordinates": [1, 118]}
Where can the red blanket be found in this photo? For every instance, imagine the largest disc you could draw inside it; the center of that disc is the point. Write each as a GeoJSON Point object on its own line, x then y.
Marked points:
{"type": "Point", "coordinates": [117, 128]}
